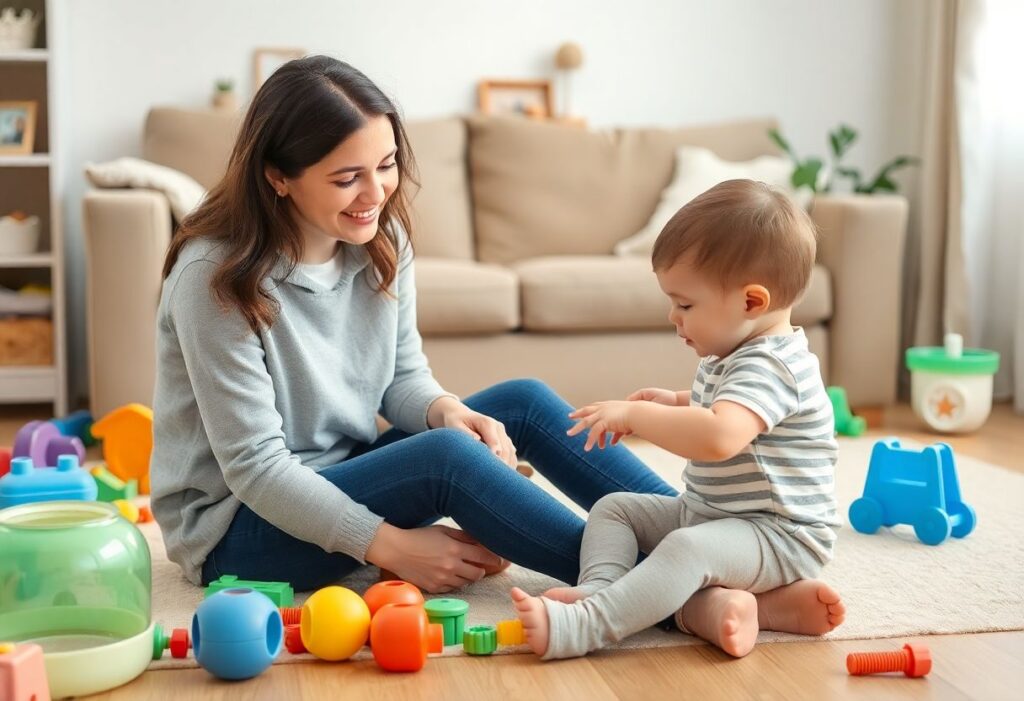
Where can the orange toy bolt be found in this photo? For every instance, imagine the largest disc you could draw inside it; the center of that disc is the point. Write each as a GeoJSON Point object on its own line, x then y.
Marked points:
{"type": "Point", "coordinates": [913, 660]}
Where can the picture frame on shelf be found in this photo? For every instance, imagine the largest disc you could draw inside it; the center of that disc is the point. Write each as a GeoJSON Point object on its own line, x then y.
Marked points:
{"type": "Point", "coordinates": [17, 127]}
{"type": "Point", "coordinates": [267, 60]}
{"type": "Point", "coordinates": [525, 98]}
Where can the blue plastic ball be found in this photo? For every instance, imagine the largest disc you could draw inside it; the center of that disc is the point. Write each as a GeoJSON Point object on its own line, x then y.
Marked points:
{"type": "Point", "coordinates": [236, 633]}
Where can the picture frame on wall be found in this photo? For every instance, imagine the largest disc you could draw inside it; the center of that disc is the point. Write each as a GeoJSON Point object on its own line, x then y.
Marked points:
{"type": "Point", "coordinates": [525, 98]}
{"type": "Point", "coordinates": [267, 60]}
{"type": "Point", "coordinates": [17, 127]}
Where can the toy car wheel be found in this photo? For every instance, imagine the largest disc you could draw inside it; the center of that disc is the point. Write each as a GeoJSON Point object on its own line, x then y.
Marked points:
{"type": "Point", "coordinates": [866, 515]}
{"type": "Point", "coordinates": [932, 526]}
{"type": "Point", "coordinates": [968, 519]}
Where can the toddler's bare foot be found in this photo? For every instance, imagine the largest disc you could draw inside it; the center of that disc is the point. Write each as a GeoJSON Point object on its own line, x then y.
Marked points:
{"type": "Point", "coordinates": [567, 595]}
{"type": "Point", "coordinates": [808, 607]}
{"type": "Point", "coordinates": [726, 618]}
{"type": "Point", "coordinates": [534, 616]}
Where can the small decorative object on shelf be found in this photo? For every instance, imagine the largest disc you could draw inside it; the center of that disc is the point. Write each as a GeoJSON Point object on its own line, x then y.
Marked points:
{"type": "Point", "coordinates": [17, 30]}
{"type": "Point", "coordinates": [568, 58]}
{"type": "Point", "coordinates": [17, 127]}
{"type": "Point", "coordinates": [224, 95]}
{"type": "Point", "coordinates": [19, 234]}
{"type": "Point", "coordinates": [951, 386]}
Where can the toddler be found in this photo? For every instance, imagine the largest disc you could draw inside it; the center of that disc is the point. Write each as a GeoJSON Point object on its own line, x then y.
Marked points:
{"type": "Point", "coordinates": [739, 549]}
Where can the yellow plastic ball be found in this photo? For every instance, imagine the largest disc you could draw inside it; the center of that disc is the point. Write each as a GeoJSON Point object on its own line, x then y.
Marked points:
{"type": "Point", "coordinates": [335, 623]}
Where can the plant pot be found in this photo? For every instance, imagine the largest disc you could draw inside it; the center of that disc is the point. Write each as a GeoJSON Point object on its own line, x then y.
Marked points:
{"type": "Point", "coordinates": [225, 101]}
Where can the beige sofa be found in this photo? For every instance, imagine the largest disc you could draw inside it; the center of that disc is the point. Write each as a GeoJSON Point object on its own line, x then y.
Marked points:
{"type": "Point", "coordinates": [514, 227]}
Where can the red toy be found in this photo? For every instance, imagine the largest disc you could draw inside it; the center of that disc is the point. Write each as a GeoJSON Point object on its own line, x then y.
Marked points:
{"type": "Point", "coordinates": [402, 636]}
{"type": "Point", "coordinates": [914, 660]}
{"type": "Point", "coordinates": [5, 461]}
{"type": "Point", "coordinates": [395, 592]}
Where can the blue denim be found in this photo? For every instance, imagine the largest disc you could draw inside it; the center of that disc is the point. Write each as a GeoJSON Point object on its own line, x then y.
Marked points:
{"type": "Point", "coordinates": [414, 480]}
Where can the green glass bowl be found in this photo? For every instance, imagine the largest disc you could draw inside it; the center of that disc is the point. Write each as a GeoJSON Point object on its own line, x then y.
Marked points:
{"type": "Point", "coordinates": [75, 578]}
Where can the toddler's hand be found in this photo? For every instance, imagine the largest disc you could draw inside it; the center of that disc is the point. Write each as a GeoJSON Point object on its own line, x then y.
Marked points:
{"type": "Point", "coordinates": [654, 394]}
{"type": "Point", "coordinates": [602, 418]}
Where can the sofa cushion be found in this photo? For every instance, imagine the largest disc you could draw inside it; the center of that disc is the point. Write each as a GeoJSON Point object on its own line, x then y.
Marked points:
{"type": "Point", "coordinates": [465, 297]}
{"type": "Point", "coordinates": [587, 293]}
{"type": "Point", "coordinates": [441, 211]}
{"type": "Point", "coordinates": [816, 305]}
{"type": "Point", "coordinates": [198, 143]}
{"type": "Point", "coordinates": [580, 293]}
{"type": "Point", "coordinates": [542, 189]}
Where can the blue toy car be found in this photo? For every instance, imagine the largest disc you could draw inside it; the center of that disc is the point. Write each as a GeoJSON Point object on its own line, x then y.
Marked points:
{"type": "Point", "coordinates": [916, 487]}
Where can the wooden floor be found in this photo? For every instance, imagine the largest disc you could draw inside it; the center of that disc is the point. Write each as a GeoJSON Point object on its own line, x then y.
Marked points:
{"type": "Point", "coordinates": [984, 666]}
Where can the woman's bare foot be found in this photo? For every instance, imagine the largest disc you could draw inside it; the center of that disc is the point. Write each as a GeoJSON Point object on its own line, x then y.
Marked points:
{"type": "Point", "coordinates": [808, 607]}
{"type": "Point", "coordinates": [567, 595]}
{"type": "Point", "coordinates": [726, 618]}
{"type": "Point", "coordinates": [534, 616]}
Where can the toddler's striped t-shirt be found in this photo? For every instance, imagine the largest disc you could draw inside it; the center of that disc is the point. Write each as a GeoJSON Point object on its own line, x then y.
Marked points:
{"type": "Point", "coordinates": [789, 470]}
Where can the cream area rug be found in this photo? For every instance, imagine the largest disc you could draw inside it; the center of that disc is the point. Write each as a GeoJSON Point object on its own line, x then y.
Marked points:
{"type": "Point", "coordinates": [893, 585]}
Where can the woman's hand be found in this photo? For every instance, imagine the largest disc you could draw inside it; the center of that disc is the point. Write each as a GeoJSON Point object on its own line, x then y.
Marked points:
{"type": "Point", "coordinates": [448, 412]}
{"type": "Point", "coordinates": [602, 418]}
{"type": "Point", "coordinates": [437, 559]}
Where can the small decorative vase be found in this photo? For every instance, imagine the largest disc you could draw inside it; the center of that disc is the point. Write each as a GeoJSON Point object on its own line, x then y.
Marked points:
{"type": "Point", "coordinates": [17, 30]}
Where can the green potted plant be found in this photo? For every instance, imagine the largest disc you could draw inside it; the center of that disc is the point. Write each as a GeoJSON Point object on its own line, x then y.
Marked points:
{"type": "Point", "coordinates": [814, 173]}
{"type": "Point", "coordinates": [224, 95]}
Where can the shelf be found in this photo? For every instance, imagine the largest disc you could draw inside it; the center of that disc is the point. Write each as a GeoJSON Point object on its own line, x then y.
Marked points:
{"type": "Point", "coordinates": [25, 56]}
{"type": "Point", "coordinates": [29, 160]}
{"type": "Point", "coordinates": [31, 260]}
{"type": "Point", "coordinates": [27, 383]}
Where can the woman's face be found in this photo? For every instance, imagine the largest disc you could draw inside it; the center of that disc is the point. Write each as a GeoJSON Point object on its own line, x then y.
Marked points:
{"type": "Point", "coordinates": [341, 197]}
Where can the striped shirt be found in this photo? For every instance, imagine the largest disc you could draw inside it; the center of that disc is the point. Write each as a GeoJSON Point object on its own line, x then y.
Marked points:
{"type": "Point", "coordinates": [789, 470]}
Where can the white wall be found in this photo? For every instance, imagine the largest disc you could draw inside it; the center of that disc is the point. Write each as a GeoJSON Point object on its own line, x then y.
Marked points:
{"type": "Point", "coordinates": [811, 64]}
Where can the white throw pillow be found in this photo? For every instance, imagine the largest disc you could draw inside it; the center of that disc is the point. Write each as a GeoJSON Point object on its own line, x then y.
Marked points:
{"type": "Point", "coordinates": [183, 193]}
{"type": "Point", "coordinates": [698, 170]}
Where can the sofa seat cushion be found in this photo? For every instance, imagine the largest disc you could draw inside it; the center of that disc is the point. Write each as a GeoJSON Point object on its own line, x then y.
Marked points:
{"type": "Point", "coordinates": [465, 297]}
{"type": "Point", "coordinates": [587, 293]}
{"type": "Point", "coordinates": [607, 293]}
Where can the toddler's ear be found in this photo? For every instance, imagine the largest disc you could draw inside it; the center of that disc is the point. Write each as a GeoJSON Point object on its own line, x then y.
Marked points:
{"type": "Point", "coordinates": [757, 299]}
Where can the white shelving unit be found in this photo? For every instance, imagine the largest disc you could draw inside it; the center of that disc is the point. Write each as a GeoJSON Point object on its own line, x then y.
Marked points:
{"type": "Point", "coordinates": [33, 182]}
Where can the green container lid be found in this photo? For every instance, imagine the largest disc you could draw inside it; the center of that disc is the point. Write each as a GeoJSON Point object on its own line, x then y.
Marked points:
{"type": "Point", "coordinates": [446, 608]}
{"type": "Point", "coordinates": [974, 361]}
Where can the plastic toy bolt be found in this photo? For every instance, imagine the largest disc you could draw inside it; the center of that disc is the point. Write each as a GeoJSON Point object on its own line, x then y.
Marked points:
{"type": "Point", "coordinates": [480, 640]}
{"type": "Point", "coordinates": [914, 660]}
{"type": "Point", "coordinates": [291, 615]}
{"type": "Point", "coordinates": [293, 639]}
{"type": "Point", "coordinates": [511, 632]}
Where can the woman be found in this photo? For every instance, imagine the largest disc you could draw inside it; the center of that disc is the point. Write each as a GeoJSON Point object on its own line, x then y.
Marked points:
{"type": "Point", "coordinates": [287, 322]}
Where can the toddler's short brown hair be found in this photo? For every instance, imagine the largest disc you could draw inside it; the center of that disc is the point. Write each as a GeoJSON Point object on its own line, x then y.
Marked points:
{"type": "Point", "coordinates": [742, 232]}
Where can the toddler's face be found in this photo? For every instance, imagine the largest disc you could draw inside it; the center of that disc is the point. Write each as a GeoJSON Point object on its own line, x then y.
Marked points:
{"type": "Point", "coordinates": [709, 319]}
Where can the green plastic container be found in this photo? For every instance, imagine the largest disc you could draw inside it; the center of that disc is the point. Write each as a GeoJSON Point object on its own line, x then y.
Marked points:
{"type": "Point", "coordinates": [75, 578]}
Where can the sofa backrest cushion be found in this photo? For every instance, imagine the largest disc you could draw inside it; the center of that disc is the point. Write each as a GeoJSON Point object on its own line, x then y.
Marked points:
{"type": "Point", "coordinates": [199, 143]}
{"type": "Point", "coordinates": [196, 142]}
{"type": "Point", "coordinates": [548, 189]}
{"type": "Point", "coordinates": [441, 209]}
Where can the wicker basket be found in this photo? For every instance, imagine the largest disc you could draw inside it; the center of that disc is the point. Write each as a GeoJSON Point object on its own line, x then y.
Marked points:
{"type": "Point", "coordinates": [26, 341]}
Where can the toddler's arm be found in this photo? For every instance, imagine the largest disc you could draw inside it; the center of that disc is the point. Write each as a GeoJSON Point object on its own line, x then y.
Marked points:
{"type": "Point", "coordinates": [711, 435]}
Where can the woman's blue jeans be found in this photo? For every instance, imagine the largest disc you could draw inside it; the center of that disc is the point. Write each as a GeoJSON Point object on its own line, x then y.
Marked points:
{"type": "Point", "coordinates": [414, 480]}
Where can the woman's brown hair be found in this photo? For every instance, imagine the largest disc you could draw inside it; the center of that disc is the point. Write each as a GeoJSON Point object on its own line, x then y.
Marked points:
{"type": "Point", "coordinates": [299, 115]}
